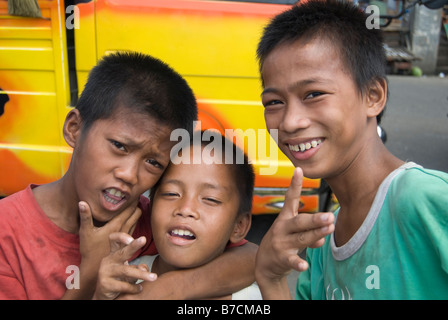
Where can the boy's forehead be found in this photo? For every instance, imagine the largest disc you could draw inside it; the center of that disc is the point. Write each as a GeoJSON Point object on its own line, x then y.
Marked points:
{"type": "Point", "coordinates": [317, 53]}
{"type": "Point", "coordinates": [317, 47]}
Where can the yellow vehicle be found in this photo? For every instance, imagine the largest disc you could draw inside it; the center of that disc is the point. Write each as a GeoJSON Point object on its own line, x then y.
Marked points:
{"type": "Point", "coordinates": [44, 63]}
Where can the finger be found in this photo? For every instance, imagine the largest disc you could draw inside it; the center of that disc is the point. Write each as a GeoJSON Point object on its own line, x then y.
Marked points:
{"type": "Point", "coordinates": [118, 286]}
{"type": "Point", "coordinates": [297, 263]}
{"type": "Point", "coordinates": [118, 240]}
{"type": "Point", "coordinates": [292, 196]}
{"type": "Point", "coordinates": [133, 273]}
{"type": "Point", "coordinates": [132, 220]}
{"type": "Point", "coordinates": [85, 215]}
{"type": "Point", "coordinates": [128, 251]}
{"type": "Point", "coordinates": [309, 221]}
{"type": "Point", "coordinates": [143, 267]}
{"type": "Point", "coordinates": [120, 219]}
{"type": "Point", "coordinates": [314, 237]}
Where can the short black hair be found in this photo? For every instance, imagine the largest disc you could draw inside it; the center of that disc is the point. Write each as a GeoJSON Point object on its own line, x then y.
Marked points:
{"type": "Point", "coordinates": [241, 168]}
{"type": "Point", "coordinates": [139, 82]}
{"type": "Point", "coordinates": [341, 22]}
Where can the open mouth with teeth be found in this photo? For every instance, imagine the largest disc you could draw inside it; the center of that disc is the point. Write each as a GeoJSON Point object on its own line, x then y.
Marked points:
{"type": "Point", "coordinates": [182, 233]}
{"type": "Point", "coordinates": [302, 147]}
{"type": "Point", "coordinates": [113, 195]}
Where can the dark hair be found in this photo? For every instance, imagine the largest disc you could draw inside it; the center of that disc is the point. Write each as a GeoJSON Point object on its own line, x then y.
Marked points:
{"type": "Point", "coordinates": [241, 168]}
{"type": "Point", "coordinates": [140, 82]}
{"type": "Point", "coordinates": [342, 23]}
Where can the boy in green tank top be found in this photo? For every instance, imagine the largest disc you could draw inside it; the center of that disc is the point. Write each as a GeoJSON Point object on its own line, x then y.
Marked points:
{"type": "Point", "coordinates": [323, 70]}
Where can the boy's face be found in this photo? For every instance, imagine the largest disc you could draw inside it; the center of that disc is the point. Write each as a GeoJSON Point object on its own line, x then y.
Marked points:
{"type": "Point", "coordinates": [118, 159]}
{"type": "Point", "coordinates": [312, 100]}
{"type": "Point", "coordinates": [194, 212]}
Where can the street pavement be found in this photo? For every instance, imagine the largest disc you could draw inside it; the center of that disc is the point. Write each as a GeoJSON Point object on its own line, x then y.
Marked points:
{"type": "Point", "coordinates": [416, 120]}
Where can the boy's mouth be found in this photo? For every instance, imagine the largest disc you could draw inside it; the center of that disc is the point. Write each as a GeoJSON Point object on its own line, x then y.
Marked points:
{"type": "Point", "coordinates": [182, 233]}
{"type": "Point", "coordinates": [304, 146]}
{"type": "Point", "coordinates": [114, 196]}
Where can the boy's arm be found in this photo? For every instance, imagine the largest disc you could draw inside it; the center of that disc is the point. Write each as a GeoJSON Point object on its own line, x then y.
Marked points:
{"type": "Point", "coordinates": [228, 273]}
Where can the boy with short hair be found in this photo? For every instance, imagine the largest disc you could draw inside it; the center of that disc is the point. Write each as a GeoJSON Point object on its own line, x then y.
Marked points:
{"type": "Point", "coordinates": [54, 236]}
{"type": "Point", "coordinates": [325, 90]}
{"type": "Point", "coordinates": [201, 204]}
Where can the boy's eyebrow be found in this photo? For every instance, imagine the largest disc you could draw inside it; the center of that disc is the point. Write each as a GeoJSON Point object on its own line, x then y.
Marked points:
{"type": "Point", "coordinates": [300, 83]}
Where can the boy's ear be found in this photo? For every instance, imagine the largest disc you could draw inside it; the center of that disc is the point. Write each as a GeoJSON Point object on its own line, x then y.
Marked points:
{"type": "Point", "coordinates": [72, 127]}
{"type": "Point", "coordinates": [376, 97]}
{"type": "Point", "coordinates": [241, 228]}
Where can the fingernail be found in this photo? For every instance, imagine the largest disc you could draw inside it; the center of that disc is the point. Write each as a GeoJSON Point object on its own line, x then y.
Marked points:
{"type": "Point", "coordinates": [302, 265]}
{"type": "Point", "coordinates": [81, 206]}
{"type": "Point", "coordinates": [152, 276]}
{"type": "Point", "coordinates": [325, 217]}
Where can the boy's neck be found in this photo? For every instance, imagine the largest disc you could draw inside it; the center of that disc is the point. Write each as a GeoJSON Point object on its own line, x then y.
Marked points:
{"type": "Point", "coordinates": [356, 189]}
{"type": "Point", "coordinates": [59, 204]}
{"type": "Point", "coordinates": [160, 266]}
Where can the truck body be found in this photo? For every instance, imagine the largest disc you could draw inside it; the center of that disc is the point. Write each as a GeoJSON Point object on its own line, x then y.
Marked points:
{"type": "Point", "coordinates": [45, 61]}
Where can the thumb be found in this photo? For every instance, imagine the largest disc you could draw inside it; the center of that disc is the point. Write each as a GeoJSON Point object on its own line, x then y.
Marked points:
{"type": "Point", "coordinates": [85, 215]}
{"type": "Point", "coordinates": [292, 195]}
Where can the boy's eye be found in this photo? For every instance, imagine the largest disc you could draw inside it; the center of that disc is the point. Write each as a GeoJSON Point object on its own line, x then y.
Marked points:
{"type": "Point", "coordinates": [155, 163]}
{"type": "Point", "coordinates": [212, 201]}
{"type": "Point", "coordinates": [169, 194]}
{"type": "Point", "coordinates": [314, 95]}
{"type": "Point", "coordinates": [118, 145]}
{"type": "Point", "coordinates": [271, 103]}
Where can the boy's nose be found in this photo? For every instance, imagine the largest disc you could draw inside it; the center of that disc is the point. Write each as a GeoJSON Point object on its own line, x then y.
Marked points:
{"type": "Point", "coordinates": [187, 209]}
{"type": "Point", "coordinates": [128, 173]}
{"type": "Point", "coordinates": [294, 118]}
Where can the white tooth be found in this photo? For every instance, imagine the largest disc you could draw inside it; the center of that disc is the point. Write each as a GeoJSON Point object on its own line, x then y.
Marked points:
{"type": "Point", "coordinates": [110, 200]}
{"type": "Point", "coordinates": [314, 143]}
{"type": "Point", "coordinates": [181, 232]}
{"type": "Point", "coordinates": [118, 193]}
{"type": "Point", "coordinates": [308, 145]}
{"type": "Point", "coordinates": [319, 141]}
{"type": "Point", "coordinates": [112, 191]}
{"type": "Point", "coordinates": [302, 147]}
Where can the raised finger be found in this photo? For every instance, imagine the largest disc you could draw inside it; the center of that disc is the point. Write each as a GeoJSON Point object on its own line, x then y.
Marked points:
{"type": "Point", "coordinates": [292, 196]}
{"type": "Point", "coordinates": [118, 240]}
{"type": "Point", "coordinates": [118, 221]}
{"type": "Point", "coordinates": [128, 251]}
{"type": "Point", "coordinates": [132, 220]}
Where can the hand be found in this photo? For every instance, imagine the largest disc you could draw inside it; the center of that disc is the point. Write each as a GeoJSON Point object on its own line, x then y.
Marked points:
{"type": "Point", "coordinates": [115, 275]}
{"type": "Point", "coordinates": [289, 234]}
{"type": "Point", "coordinates": [94, 241]}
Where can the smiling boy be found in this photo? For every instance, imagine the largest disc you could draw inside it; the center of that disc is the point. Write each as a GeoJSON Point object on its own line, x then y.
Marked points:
{"type": "Point", "coordinates": [120, 135]}
{"type": "Point", "coordinates": [325, 90]}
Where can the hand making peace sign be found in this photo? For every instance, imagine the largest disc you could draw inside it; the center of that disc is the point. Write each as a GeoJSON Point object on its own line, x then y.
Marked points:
{"type": "Point", "coordinates": [290, 233]}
